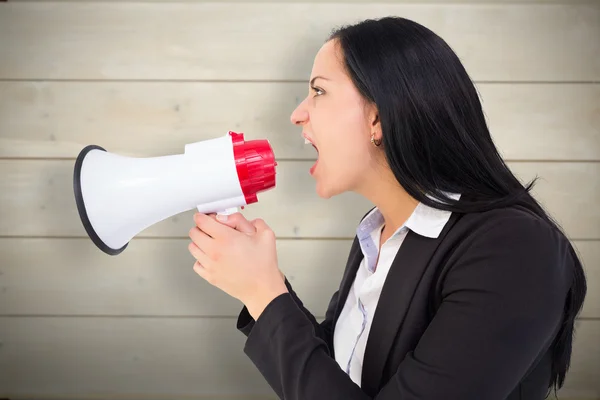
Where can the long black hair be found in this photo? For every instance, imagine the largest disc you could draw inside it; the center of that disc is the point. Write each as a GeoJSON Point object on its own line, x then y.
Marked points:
{"type": "Point", "coordinates": [435, 135]}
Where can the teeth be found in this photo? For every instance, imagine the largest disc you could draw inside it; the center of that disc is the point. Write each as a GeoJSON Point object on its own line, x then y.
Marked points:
{"type": "Point", "coordinates": [306, 141]}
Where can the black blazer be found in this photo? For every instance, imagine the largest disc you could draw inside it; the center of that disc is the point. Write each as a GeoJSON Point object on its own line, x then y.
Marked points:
{"type": "Point", "coordinates": [469, 315]}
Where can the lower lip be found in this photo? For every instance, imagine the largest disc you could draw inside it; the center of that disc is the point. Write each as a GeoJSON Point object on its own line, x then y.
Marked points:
{"type": "Point", "coordinates": [312, 169]}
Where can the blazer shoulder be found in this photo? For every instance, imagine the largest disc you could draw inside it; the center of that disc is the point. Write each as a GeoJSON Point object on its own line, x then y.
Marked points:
{"type": "Point", "coordinates": [507, 247]}
{"type": "Point", "coordinates": [513, 229]}
{"type": "Point", "coordinates": [514, 219]}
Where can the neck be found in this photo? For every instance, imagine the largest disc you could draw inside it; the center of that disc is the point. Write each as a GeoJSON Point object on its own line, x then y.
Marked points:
{"type": "Point", "coordinates": [384, 191]}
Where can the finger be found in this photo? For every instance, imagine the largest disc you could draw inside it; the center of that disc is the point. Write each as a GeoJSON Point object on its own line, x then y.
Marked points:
{"type": "Point", "coordinates": [263, 231]}
{"type": "Point", "coordinates": [210, 226]}
{"type": "Point", "coordinates": [203, 272]}
{"type": "Point", "coordinates": [201, 240]}
{"type": "Point", "coordinates": [198, 254]}
{"type": "Point", "coordinates": [260, 225]}
{"type": "Point", "coordinates": [238, 222]}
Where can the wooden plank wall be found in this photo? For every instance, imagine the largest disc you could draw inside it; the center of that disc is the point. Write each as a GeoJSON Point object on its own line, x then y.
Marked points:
{"type": "Point", "coordinates": [145, 78]}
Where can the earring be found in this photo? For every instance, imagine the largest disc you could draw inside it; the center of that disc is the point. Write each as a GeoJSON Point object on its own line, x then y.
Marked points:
{"type": "Point", "coordinates": [375, 142]}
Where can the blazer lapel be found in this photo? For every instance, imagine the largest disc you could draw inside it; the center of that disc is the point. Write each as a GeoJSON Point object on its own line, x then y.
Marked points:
{"type": "Point", "coordinates": [401, 282]}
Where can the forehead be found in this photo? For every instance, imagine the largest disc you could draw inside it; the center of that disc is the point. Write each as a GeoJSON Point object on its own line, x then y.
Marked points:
{"type": "Point", "coordinates": [328, 61]}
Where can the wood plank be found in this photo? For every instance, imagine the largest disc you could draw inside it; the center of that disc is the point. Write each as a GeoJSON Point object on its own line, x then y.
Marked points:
{"type": "Point", "coordinates": [183, 41]}
{"type": "Point", "coordinates": [561, 189]}
{"type": "Point", "coordinates": [71, 277]}
{"type": "Point", "coordinates": [36, 197]}
{"type": "Point", "coordinates": [149, 358]}
{"type": "Point", "coordinates": [544, 122]}
{"type": "Point", "coordinates": [589, 253]}
{"type": "Point", "coordinates": [582, 381]}
{"type": "Point", "coordinates": [133, 358]}
{"type": "Point", "coordinates": [151, 277]}
{"type": "Point", "coordinates": [57, 119]}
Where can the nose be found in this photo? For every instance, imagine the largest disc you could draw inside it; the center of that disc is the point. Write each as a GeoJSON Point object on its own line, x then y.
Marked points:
{"type": "Point", "coordinates": [300, 114]}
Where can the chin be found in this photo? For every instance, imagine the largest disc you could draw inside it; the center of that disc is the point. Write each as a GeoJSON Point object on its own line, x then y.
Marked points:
{"type": "Point", "coordinates": [323, 195]}
{"type": "Point", "coordinates": [325, 191]}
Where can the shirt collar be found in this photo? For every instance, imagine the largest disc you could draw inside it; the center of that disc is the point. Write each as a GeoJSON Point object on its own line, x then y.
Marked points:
{"type": "Point", "coordinates": [425, 221]}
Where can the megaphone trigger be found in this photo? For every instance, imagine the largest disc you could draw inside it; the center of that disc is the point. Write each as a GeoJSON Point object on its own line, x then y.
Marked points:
{"type": "Point", "coordinates": [228, 211]}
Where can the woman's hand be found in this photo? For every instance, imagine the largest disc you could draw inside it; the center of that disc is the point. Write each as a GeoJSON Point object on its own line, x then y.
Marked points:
{"type": "Point", "coordinates": [239, 257]}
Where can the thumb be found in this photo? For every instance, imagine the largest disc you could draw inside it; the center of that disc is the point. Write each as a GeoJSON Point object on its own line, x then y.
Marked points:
{"type": "Point", "coordinates": [238, 222]}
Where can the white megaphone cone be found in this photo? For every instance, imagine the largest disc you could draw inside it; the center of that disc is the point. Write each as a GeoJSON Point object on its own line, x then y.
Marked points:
{"type": "Point", "coordinates": [117, 197]}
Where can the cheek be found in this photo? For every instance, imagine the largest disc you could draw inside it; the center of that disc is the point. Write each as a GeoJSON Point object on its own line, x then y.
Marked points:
{"type": "Point", "coordinates": [343, 144]}
{"type": "Point", "coordinates": [343, 164]}
{"type": "Point", "coordinates": [349, 143]}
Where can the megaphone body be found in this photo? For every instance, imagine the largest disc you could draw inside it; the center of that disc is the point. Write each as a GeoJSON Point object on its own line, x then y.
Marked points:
{"type": "Point", "coordinates": [117, 197]}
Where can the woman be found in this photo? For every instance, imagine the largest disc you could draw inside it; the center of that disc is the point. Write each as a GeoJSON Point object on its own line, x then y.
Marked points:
{"type": "Point", "coordinates": [458, 285]}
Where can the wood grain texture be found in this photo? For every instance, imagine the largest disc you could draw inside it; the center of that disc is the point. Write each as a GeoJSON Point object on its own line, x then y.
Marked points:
{"type": "Point", "coordinates": [154, 277]}
{"type": "Point", "coordinates": [261, 41]}
{"type": "Point", "coordinates": [57, 119]}
{"type": "Point", "coordinates": [36, 199]}
{"type": "Point", "coordinates": [135, 358]}
{"type": "Point", "coordinates": [582, 381]}
{"type": "Point", "coordinates": [143, 78]}
{"type": "Point", "coordinates": [149, 358]}
{"type": "Point", "coordinates": [151, 277]}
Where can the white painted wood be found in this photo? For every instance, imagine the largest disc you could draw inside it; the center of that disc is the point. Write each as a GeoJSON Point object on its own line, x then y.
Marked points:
{"type": "Point", "coordinates": [78, 324]}
{"type": "Point", "coordinates": [36, 199]}
{"type": "Point", "coordinates": [497, 42]}
{"type": "Point", "coordinates": [544, 122]}
{"type": "Point", "coordinates": [153, 277]}
{"type": "Point", "coordinates": [589, 253]}
{"type": "Point", "coordinates": [582, 381]}
{"type": "Point", "coordinates": [149, 358]}
{"type": "Point", "coordinates": [569, 191]}
{"type": "Point", "coordinates": [57, 119]}
{"type": "Point", "coordinates": [128, 357]}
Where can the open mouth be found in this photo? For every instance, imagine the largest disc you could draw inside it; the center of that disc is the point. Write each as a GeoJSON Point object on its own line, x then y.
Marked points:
{"type": "Point", "coordinates": [308, 141]}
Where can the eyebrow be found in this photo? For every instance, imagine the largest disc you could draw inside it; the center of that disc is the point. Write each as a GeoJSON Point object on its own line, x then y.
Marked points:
{"type": "Point", "coordinates": [312, 81]}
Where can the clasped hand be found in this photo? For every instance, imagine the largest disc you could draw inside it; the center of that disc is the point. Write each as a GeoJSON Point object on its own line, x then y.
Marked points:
{"type": "Point", "coordinates": [239, 257]}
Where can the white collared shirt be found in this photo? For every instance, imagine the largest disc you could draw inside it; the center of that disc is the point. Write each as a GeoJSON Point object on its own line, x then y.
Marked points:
{"type": "Point", "coordinates": [353, 326]}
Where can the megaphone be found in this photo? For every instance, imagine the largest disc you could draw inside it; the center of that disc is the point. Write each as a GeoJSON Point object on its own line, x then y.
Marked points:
{"type": "Point", "coordinates": [117, 197]}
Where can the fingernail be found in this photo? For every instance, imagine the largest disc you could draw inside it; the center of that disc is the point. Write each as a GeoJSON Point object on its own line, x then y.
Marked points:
{"type": "Point", "coordinates": [222, 217]}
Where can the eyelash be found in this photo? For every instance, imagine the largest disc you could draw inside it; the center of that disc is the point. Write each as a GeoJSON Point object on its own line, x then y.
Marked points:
{"type": "Point", "coordinates": [317, 90]}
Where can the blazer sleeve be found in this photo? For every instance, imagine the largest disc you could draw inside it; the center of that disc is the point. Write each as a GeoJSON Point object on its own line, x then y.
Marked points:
{"type": "Point", "coordinates": [323, 330]}
{"type": "Point", "coordinates": [503, 298]}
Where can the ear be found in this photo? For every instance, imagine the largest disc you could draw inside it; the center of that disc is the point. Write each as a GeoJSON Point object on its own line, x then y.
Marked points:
{"type": "Point", "coordinates": [375, 123]}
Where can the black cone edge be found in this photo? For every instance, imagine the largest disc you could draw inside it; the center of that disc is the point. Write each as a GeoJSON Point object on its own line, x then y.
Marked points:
{"type": "Point", "coordinates": [81, 205]}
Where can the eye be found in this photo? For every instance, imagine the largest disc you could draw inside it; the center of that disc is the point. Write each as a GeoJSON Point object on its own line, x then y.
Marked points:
{"type": "Point", "coordinates": [317, 90]}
